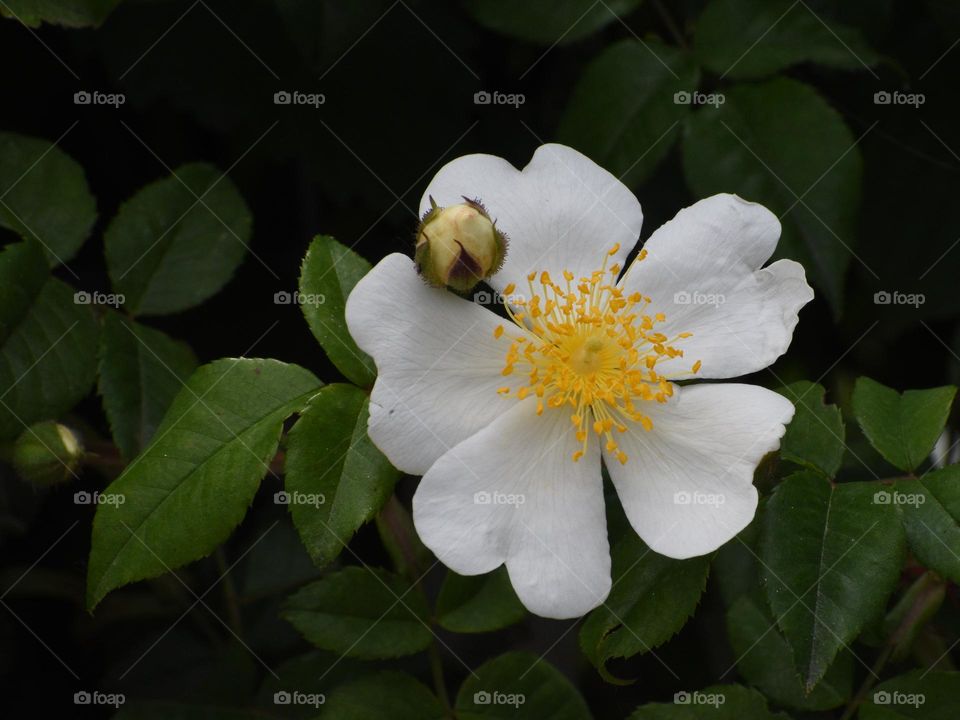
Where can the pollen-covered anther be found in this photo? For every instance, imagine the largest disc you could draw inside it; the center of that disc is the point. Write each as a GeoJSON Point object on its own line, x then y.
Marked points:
{"type": "Point", "coordinates": [595, 349]}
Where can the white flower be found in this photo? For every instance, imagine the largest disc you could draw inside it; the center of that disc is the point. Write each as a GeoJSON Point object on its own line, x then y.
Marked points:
{"type": "Point", "coordinates": [507, 420]}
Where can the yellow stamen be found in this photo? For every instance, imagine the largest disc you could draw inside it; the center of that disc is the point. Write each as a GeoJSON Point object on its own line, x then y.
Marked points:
{"type": "Point", "coordinates": [593, 348]}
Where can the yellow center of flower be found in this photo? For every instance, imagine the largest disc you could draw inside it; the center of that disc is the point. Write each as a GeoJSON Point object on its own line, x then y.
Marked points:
{"type": "Point", "coordinates": [595, 350]}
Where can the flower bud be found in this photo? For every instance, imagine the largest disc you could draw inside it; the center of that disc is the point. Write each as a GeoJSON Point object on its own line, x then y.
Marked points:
{"type": "Point", "coordinates": [458, 246]}
{"type": "Point", "coordinates": [47, 453]}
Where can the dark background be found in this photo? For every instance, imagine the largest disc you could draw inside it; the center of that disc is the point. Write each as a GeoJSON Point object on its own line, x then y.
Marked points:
{"type": "Point", "coordinates": [399, 81]}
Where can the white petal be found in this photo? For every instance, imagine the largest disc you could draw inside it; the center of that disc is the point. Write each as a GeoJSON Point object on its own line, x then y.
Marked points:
{"type": "Point", "coordinates": [563, 211]}
{"type": "Point", "coordinates": [703, 272]}
{"type": "Point", "coordinates": [554, 542]}
{"type": "Point", "coordinates": [437, 360]}
{"type": "Point", "coordinates": [687, 487]}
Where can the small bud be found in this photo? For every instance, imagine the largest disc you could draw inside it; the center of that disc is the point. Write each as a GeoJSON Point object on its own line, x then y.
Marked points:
{"type": "Point", "coordinates": [458, 246]}
{"type": "Point", "coordinates": [47, 453]}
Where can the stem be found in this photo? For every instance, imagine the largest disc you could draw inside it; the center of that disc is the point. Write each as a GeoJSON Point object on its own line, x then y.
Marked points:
{"type": "Point", "coordinates": [180, 590]}
{"type": "Point", "coordinates": [104, 457]}
{"type": "Point", "coordinates": [412, 571]}
{"type": "Point", "coordinates": [229, 594]}
{"type": "Point", "coordinates": [669, 22]}
{"type": "Point", "coordinates": [868, 683]}
{"type": "Point", "coordinates": [278, 462]}
{"type": "Point", "coordinates": [391, 523]}
{"type": "Point", "coordinates": [923, 602]}
{"type": "Point", "coordinates": [109, 466]}
{"type": "Point", "coordinates": [436, 670]}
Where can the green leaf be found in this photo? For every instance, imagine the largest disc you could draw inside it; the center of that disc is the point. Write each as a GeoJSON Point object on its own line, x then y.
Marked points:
{"type": "Point", "coordinates": [336, 479]}
{"type": "Point", "coordinates": [388, 694]}
{"type": "Point", "coordinates": [625, 111]}
{"type": "Point", "coordinates": [930, 511]}
{"type": "Point", "coordinates": [478, 603]}
{"type": "Point", "coordinates": [68, 13]}
{"type": "Point", "coordinates": [780, 144]}
{"type": "Point", "coordinates": [772, 35]}
{"type": "Point", "coordinates": [902, 427]}
{"type": "Point", "coordinates": [177, 241]}
{"type": "Point", "coordinates": [519, 686]}
{"type": "Point", "coordinates": [275, 566]}
{"type": "Point", "coordinates": [549, 22]}
{"type": "Point", "coordinates": [919, 694]}
{"type": "Point", "coordinates": [718, 702]}
{"type": "Point", "coordinates": [763, 658]}
{"type": "Point", "coordinates": [141, 371]}
{"type": "Point", "coordinates": [192, 485]}
{"type": "Point", "coordinates": [364, 613]}
{"type": "Point", "coordinates": [831, 557]}
{"type": "Point", "coordinates": [44, 195]}
{"type": "Point", "coordinates": [652, 598]}
{"type": "Point", "coordinates": [47, 342]}
{"type": "Point", "coordinates": [277, 563]}
{"type": "Point", "coordinates": [328, 274]}
{"type": "Point", "coordinates": [312, 673]}
{"type": "Point", "coordinates": [23, 273]}
{"type": "Point", "coordinates": [815, 436]}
